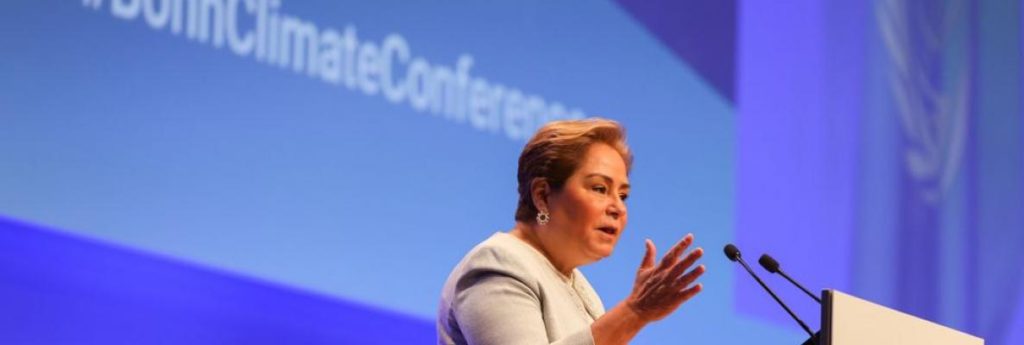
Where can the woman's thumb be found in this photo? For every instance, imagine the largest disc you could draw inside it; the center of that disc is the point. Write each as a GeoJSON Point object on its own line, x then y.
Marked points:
{"type": "Point", "coordinates": [649, 254]}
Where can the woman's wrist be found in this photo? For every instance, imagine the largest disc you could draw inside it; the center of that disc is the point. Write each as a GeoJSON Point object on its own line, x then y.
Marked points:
{"type": "Point", "coordinates": [635, 310]}
{"type": "Point", "coordinates": [618, 326]}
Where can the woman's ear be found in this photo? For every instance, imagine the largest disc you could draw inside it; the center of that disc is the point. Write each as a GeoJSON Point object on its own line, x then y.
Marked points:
{"type": "Point", "coordinates": [539, 191]}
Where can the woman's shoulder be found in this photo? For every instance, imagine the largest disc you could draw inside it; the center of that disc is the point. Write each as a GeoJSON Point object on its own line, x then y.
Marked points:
{"type": "Point", "coordinates": [501, 254]}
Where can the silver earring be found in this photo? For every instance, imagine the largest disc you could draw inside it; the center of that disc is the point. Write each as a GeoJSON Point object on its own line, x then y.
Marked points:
{"type": "Point", "coordinates": [543, 217]}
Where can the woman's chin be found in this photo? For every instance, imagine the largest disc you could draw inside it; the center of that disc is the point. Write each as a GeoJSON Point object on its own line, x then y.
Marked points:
{"type": "Point", "coordinates": [602, 250]}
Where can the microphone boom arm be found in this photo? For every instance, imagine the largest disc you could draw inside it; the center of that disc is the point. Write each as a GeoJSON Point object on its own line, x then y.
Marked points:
{"type": "Point", "coordinates": [802, 324]}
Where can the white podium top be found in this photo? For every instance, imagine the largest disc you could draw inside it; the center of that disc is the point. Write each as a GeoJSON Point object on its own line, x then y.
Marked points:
{"type": "Point", "coordinates": [853, 321]}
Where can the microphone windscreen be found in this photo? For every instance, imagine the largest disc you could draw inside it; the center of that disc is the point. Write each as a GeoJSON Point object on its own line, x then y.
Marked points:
{"type": "Point", "coordinates": [732, 252]}
{"type": "Point", "coordinates": [769, 263]}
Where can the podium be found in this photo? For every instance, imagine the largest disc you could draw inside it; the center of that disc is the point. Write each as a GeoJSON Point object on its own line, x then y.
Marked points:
{"type": "Point", "coordinates": [848, 320]}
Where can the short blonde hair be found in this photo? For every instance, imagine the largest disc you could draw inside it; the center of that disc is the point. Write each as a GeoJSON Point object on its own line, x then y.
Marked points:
{"type": "Point", "coordinates": [556, 150]}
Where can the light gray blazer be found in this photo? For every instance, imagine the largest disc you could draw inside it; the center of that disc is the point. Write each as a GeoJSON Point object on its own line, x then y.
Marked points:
{"type": "Point", "coordinates": [504, 291]}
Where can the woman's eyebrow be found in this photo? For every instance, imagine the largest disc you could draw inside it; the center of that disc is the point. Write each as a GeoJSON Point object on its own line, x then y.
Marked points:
{"type": "Point", "coordinates": [608, 179]}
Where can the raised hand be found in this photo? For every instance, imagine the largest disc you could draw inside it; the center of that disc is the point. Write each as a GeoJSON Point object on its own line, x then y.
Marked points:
{"type": "Point", "coordinates": [660, 289]}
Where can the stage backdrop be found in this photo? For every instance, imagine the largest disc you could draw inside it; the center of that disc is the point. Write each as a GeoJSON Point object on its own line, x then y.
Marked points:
{"type": "Point", "coordinates": [284, 171]}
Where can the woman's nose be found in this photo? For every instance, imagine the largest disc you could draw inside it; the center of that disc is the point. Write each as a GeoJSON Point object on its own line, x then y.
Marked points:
{"type": "Point", "coordinates": [616, 209]}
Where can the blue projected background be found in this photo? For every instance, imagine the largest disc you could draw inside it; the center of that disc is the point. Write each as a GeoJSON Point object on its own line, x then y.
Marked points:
{"type": "Point", "coordinates": [283, 171]}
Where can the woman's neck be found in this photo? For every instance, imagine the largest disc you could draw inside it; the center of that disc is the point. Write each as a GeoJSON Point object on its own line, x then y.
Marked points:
{"type": "Point", "coordinates": [528, 233]}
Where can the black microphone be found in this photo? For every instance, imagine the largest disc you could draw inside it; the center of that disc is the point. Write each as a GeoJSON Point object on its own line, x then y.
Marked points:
{"type": "Point", "coordinates": [772, 266]}
{"type": "Point", "coordinates": [733, 254]}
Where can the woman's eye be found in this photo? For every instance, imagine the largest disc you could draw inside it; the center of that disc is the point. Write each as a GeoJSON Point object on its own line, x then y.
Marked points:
{"type": "Point", "coordinates": [623, 196]}
{"type": "Point", "coordinates": [600, 189]}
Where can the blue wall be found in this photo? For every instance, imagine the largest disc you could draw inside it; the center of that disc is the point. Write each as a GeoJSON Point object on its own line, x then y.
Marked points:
{"type": "Point", "coordinates": [159, 180]}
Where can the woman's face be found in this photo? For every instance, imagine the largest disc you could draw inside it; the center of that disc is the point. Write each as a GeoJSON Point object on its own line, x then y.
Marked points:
{"type": "Point", "coordinates": [589, 214]}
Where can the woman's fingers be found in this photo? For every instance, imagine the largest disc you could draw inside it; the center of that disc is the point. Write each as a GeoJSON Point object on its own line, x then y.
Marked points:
{"type": "Point", "coordinates": [662, 287]}
{"type": "Point", "coordinates": [677, 250]}
{"type": "Point", "coordinates": [688, 293]}
{"type": "Point", "coordinates": [690, 276]}
{"type": "Point", "coordinates": [684, 264]}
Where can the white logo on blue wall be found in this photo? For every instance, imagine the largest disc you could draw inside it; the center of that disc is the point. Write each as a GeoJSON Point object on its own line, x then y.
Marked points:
{"type": "Point", "coordinates": [931, 89]}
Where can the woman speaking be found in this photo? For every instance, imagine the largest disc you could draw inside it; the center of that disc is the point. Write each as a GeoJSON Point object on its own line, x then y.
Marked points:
{"type": "Point", "coordinates": [522, 287]}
